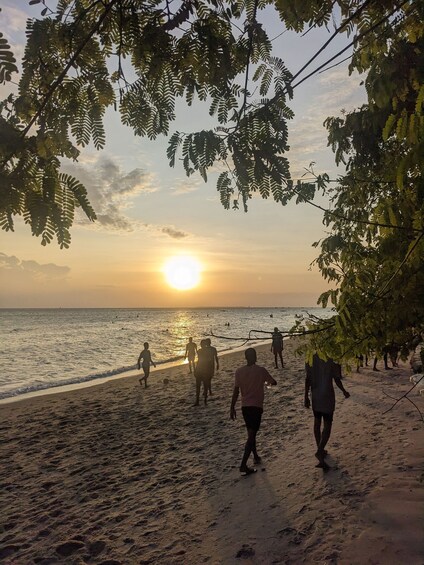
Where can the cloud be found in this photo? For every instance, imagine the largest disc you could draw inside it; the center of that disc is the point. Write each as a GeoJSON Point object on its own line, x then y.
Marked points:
{"type": "Point", "coordinates": [307, 134]}
{"type": "Point", "coordinates": [31, 268]}
{"type": "Point", "coordinates": [110, 191]}
{"type": "Point", "coordinates": [14, 19]}
{"type": "Point", "coordinates": [172, 232]}
{"type": "Point", "coordinates": [185, 186]}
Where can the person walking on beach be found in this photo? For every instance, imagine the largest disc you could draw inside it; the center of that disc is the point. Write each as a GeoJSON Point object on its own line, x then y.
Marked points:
{"type": "Point", "coordinates": [277, 345]}
{"type": "Point", "coordinates": [213, 359]}
{"type": "Point", "coordinates": [203, 371]}
{"type": "Point", "coordinates": [146, 358]}
{"type": "Point", "coordinates": [190, 354]}
{"type": "Point", "coordinates": [319, 379]}
{"type": "Point", "coordinates": [250, 381]}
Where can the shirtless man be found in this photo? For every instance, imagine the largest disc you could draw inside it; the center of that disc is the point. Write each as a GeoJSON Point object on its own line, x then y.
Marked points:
{"type": "Point", "coordinates": [250, 381]}
{"type": "Point", "coordinates": [319, 379]}
{"type": "Point", "coordinates": [213, 360]}
{"type": "Point", "coordinates": [146, 357]}
{"type": "Point", "coordinates": [202, 371]}
{"type": "Point", "coordinates": [190, 354]}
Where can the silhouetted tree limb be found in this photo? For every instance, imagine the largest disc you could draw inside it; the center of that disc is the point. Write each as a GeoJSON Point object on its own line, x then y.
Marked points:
{"type": "Point", "coordinates": [407, 398]}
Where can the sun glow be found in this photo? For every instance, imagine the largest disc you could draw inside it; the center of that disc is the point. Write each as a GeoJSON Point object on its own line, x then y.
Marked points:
{"type": "Point", "coordinates": [182, 272]}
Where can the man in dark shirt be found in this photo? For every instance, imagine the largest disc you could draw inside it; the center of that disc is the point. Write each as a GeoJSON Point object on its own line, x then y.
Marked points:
{"type": "Point", "coordinates": [319, 379]}
{"type": "Point", "coordinates": [277, 345]}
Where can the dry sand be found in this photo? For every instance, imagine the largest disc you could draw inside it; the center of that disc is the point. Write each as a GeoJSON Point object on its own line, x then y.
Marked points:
{"type": "Point", "coordinates": [116, 474]}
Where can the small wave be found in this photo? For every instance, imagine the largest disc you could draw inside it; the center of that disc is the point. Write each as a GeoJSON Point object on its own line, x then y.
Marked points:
{"type": "Point", "coordinates": [71, 381]}
{"type": "Point", "coordinates": [45, 385]}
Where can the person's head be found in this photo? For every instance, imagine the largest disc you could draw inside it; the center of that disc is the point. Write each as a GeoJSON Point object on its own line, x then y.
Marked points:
{"type": "Point", "coordinates": [146, 345]}
{"type": "Point", "coordinates": [275, 329]}
{"type": "Point", "coordinates": [208, 341]}
{"type": "Point", "coordinates": [250, 355]}
{"type": "Point", "coordinates": [190, 339]}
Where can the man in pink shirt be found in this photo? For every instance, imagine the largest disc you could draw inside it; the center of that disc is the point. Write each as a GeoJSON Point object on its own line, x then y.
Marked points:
{"type": "Point", "coordinates": [250, 381]}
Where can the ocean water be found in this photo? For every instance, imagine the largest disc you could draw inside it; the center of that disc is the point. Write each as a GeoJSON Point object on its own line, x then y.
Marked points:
{"type": "Point", "coordinates": [46, 348]}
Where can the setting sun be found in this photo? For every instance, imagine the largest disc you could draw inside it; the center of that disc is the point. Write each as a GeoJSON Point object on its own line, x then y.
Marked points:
{"type": "Point", "coordinates": [182, 272]}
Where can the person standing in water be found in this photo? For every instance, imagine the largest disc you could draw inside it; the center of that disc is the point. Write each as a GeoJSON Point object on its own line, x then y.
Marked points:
{"type": "Point", "coordinates": [190, 354]}
{"type": "Point", "coordinates": [146, 358]}
{"type": "Point", "coordinates": [250, 381]}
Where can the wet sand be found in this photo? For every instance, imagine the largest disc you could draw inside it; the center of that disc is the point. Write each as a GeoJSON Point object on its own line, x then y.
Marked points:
{"type": "Point", "coordinates": [118, 474]}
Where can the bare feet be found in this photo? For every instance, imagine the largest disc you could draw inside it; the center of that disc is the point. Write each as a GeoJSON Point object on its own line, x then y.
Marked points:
{"type": "Point", "coordinates": [247, 470]}
{"type": "Point", "coordinates": [325, 453]}
{"type": "Point", "coordinates": [323, 465]}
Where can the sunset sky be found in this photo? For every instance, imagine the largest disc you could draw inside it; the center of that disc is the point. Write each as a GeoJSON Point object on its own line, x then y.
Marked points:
{"type": "Point", "coordinates": [148, 212]}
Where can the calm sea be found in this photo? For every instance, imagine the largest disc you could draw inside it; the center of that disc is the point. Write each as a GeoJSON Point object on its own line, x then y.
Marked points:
{"type": "Point", "coordinates": [46, 348]}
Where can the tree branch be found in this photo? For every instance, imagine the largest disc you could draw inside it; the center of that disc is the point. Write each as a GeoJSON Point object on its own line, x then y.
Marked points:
{"type": "Point", "coordinates": [407, 398]}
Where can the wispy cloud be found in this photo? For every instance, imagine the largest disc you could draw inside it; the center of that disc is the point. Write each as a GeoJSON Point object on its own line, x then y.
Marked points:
{"type": "Point", "coordinates": [14, 20]}
{"type": "Point", "coordinates": [172, 232]}
{"type": "Point", "coordinates": [186, 185]}
{"type": "Point", "coordinates": [111, 191]}
{"type": "Point", "coordinates": [30, 268]}
{"type": "Point", "coordinates": [308, 136]}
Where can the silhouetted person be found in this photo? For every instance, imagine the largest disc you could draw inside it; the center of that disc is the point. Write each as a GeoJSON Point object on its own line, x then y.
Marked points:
{"type": "Point", "coordinates": [250, 381]}
{"type": "Point", "coordinates": [385, 359]}
{"type": "Point", "coordinates": [202, 371]}
{"type": "Point", "coordinates": [277, 346]}
{"type": "Point", "coordinates": [146, 358]}
{"type": "Point", "coordinates": [213, 359]}
{"type": "Point", "coordinates": [190, 354]}
{"type": "Point", "coordinates": [393, 351]}
{"type": "Point", "coordinates": [319, 379]}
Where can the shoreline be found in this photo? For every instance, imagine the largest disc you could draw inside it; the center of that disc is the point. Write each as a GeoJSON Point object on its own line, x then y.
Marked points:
{"type": "Point", "coordinates": [121, 474]}
{"type": "Point", "coordinates": [94, 381]}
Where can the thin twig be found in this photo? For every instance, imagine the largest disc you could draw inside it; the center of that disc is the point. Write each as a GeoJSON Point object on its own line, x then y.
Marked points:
{"type": "Point", "coordinates": [407, 398]}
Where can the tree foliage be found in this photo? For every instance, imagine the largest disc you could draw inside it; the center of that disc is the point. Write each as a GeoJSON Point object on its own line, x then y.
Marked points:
{"type": "Point", "coordinates": [141, 56]}
{"type": "Point", "coordinates": [374, 253]}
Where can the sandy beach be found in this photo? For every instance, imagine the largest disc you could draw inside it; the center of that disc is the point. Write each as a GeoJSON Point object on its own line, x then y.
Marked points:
{"type": "Point", "coordinates": [118, 474]}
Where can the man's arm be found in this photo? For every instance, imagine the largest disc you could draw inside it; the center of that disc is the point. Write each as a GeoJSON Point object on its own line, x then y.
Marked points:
{"type": "Point", "coordinates": [233, 403]}
{"type": "Point", "coordinates": [307, 387]}
{"type": "Point", "coordinates": [270, 380]}
{"type": "Point", "coordinates": [341, 387]}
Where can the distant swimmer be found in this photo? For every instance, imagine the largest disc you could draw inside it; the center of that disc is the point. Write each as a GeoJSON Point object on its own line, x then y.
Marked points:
{"type": "Point", "coordinates": [319, 379]}
{"type": "Point", "coordinates": [146, 358]}
{"type": "Point", "coordinates": [277, 346]}
{"type": "Point", "coordinates": [190, 354]}
{"type": "Point", "coordinates": [250, 381]}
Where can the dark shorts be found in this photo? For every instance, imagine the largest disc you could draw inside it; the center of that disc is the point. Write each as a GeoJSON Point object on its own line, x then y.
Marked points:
{"type": "Point", "coordinates": [252, 416]}
{"type": "Point", "coordinates": [326, 417]}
